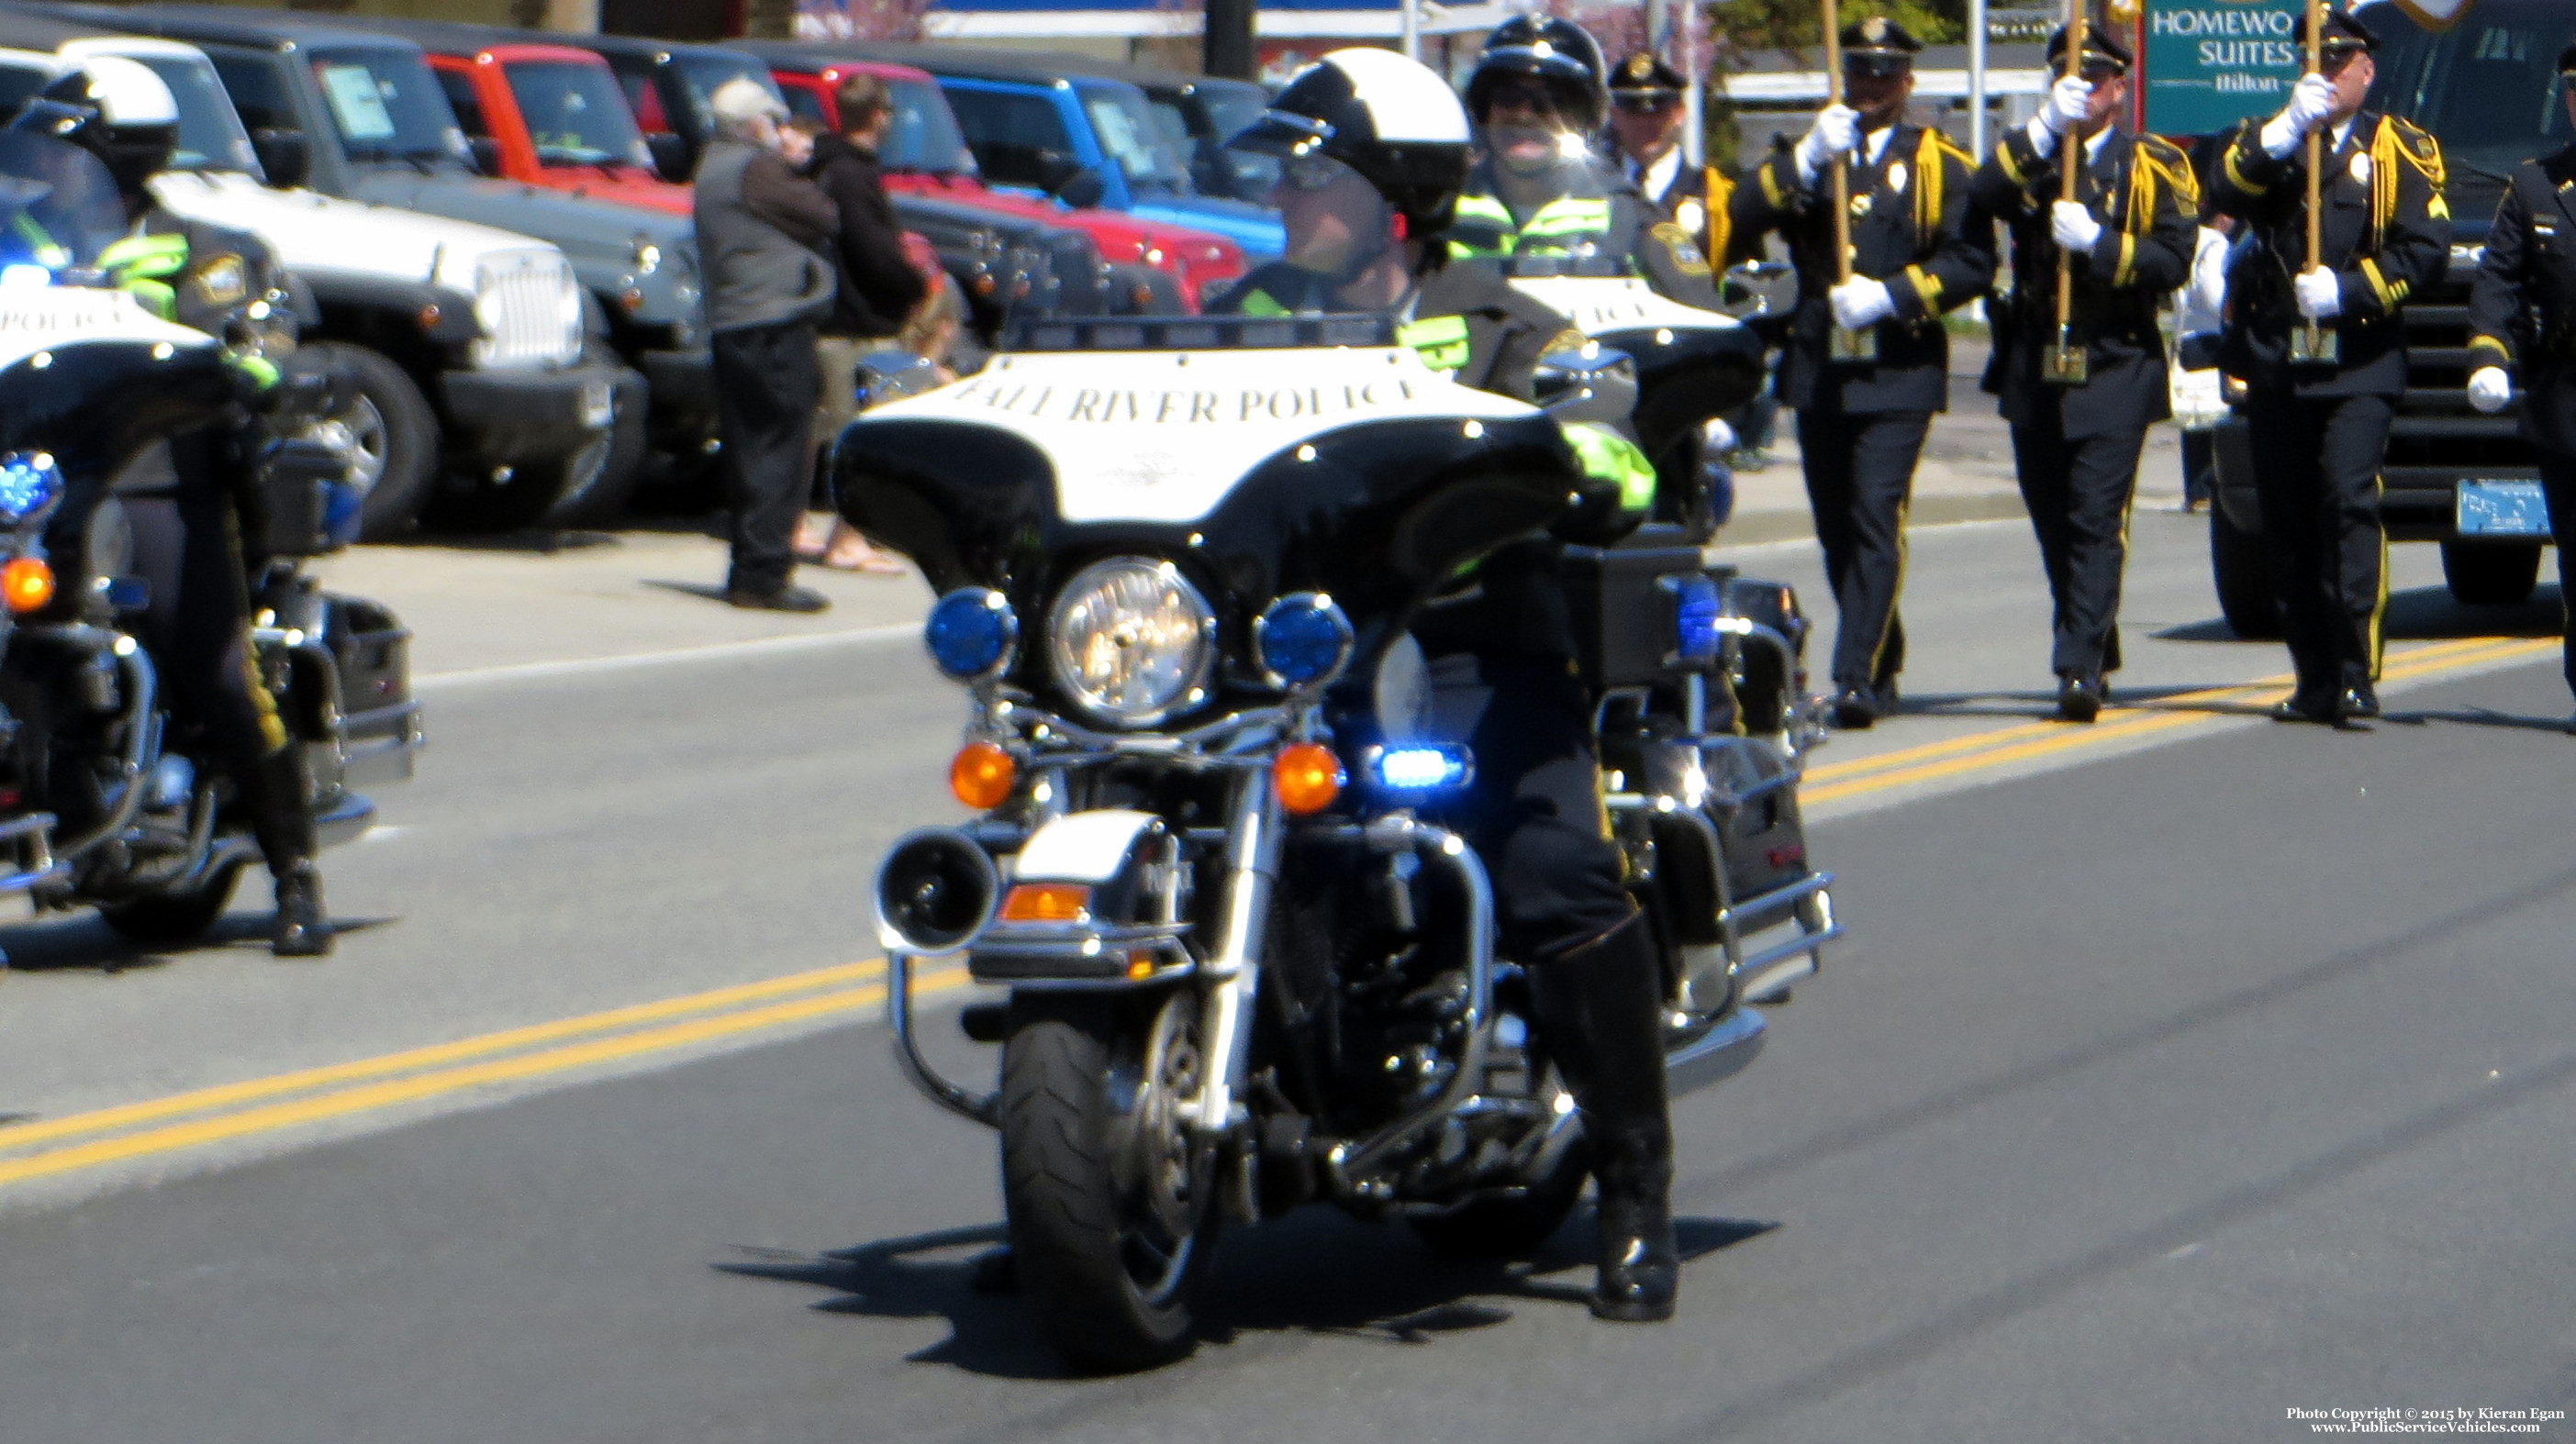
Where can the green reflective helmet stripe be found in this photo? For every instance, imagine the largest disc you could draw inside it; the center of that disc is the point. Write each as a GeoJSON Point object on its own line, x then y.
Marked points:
{"type": "Point", "coordinates": [1610, 458]}
{"type": "Point", "coordinates": [1262, 303]}
{"type": "Point", "coordinates": [1441, 341]}
{"type": "Point", "coordinates": [145, 256]}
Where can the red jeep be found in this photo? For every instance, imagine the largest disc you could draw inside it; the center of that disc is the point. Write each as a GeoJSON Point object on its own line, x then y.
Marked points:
{"type": "Point", "coordinates": [925, 154]}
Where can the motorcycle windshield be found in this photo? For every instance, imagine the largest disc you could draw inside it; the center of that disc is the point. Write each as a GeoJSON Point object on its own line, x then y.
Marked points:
{"type": "Point", "coordinates": [58, 208]}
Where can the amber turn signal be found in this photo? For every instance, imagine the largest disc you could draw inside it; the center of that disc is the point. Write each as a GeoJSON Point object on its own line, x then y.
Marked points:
{"type": "Point", "coordinates": [1307, 777]}
{"type": "Point", "coordinates": [1046, 902]}
{"type": "Point", "coordinates": [982, 775]}
{"type": "Point", "coordinates": [27, 583]}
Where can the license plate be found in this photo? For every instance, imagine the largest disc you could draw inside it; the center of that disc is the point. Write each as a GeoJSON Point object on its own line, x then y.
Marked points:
{"type": "Point", "coordinates": [2503, 508]}
{"type": "Point", "coordinates": [598, 405]}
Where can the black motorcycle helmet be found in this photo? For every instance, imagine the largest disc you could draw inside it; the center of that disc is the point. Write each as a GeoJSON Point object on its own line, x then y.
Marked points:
{"type": "Point", "coordinates": [1393, 120]}
{"type": "Point", "coordinates": [1558, 53]}
{"type": "Point", "coordinates": [114, 108]}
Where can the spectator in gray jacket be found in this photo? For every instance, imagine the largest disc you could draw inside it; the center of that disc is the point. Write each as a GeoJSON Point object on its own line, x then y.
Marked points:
{"type": "Point", "coordinates": [764, 235]}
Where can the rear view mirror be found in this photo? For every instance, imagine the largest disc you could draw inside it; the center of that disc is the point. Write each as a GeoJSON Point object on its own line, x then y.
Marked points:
{"type": "Point", "coordinates": [671, 158]}
{"type": "Point", "coordinates": [285, 156]}
{"type": "Point", "coordinates": [487, 155]}
{"type": "Point", "coordinates": [1072, 182]}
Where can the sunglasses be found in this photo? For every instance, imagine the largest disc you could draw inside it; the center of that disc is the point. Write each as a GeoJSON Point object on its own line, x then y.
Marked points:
{"type": "Point", "coordinates": [1310, 172]}
{"type": "Point", "coordinates": [1646, 104]}
{"type": "Point", "coordinates": [1521, 95]}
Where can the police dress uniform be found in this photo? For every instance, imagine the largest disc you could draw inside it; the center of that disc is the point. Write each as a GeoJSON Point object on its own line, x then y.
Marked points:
{"type": "Point", "coordinates": [1861, 426]}
{"type": "Point", "coordinates": [2318, 431]}
{"type": "Point", "coordinates": [1693, 199]}
{"type": "Point", "coordinates": [2522, 318]}
{"type": "Point", "coordinates": [183, 501]}
{"type": "Point", "coordinates": [2075, 448]}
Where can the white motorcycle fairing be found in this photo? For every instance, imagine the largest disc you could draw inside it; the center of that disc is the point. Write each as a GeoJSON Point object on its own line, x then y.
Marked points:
{"type": "Point", "coordinates": [36, 321]}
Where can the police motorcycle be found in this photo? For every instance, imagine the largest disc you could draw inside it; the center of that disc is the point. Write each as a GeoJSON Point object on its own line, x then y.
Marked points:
{"type": "Point", "coordinates": [1245, 961]}
{"type": "Point", "coordinates": [104, 802]}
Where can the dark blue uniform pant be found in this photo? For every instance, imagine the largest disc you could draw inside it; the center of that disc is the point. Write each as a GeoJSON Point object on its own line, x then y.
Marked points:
{"type": "Point", "coordinates": [2316, 480]}
{"type": "Point", "coordinates": [2078, 490]}
{"type": "Point", "coordinates": [1860, 477]}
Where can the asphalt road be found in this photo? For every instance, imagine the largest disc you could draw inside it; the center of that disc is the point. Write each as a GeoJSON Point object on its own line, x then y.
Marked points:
{"type": "Point", "coordinates": [2177, 1075]}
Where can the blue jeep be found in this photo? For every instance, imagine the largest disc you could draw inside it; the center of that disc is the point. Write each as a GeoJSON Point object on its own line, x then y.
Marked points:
{"type": "Point", "coordinates": [1086, 140]}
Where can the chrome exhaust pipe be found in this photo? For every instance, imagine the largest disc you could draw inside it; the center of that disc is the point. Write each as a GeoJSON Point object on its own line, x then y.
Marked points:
{"type": "Point", "coordinates": [935, 892]}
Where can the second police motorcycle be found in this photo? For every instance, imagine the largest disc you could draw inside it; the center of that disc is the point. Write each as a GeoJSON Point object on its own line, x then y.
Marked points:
{"type": "Point", "coordinates": [106, 800]}
{"type": "Point", "coordinates": [1247, 956]}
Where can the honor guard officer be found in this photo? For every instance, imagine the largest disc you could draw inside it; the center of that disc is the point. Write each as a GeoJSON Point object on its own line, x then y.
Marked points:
{"type": "Point", "coordinates": [1918, 248]}
{"type": "Point", "coordinates": [2318, 340]}
{"type": "Point", "coordinates": [1646, 117]}
{"type": "Point", "coordinates": [2522, 325]}
{"type": "Point", "coordinates": [2081, 388]}
{"type": "Point", "coordinates": [1373, 148]}
{"type": "Point", "coordinates": [1537, 96]}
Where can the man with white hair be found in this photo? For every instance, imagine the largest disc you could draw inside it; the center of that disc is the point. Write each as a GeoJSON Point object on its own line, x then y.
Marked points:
{"type": "Point", "coordinates": [763, 231]}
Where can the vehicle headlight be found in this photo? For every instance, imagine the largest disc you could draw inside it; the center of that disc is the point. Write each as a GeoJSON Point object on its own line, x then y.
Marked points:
{"type": "Point", "coordinates": [1131, 641]}
{"type": "Point", "coordinates": [29, 482]}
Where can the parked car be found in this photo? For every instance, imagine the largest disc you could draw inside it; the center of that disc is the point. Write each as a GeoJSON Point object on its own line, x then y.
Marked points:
{"type": "Point", "coordinates": [1058, 130]}
{"type": "Point", "coordinates": [1005, 265]}
{"type": "Point", "coordinates": [373, 124]}
{"type": "Point", "coordinates": [1198, 114]}
{"type": "Point", "coordinates": [465, 343]}
{"type": "Point", "coordinates": [925, 154]}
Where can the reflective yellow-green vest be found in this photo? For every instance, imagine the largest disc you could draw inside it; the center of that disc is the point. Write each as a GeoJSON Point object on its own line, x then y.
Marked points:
{"type": "Point", "coordinates": [1558, 226]}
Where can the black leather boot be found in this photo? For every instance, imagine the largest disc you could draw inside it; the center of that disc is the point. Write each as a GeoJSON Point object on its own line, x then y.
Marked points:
{"type": "Point", "coordinates": [303, 923]}
{"type": "Point", "coordinates": [274, 793]}
{"type": "Point", "coordinates": [1601, 1014]}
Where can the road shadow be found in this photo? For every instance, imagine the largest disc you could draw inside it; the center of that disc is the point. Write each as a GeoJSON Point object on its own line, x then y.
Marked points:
{"type": "Point", "coordinates": [2418, 614]}
{"type": "Point", "coordinates": [80, 942]}
{"type": "Point", "coordinates": [706, 591]}
{"type": "Point", "coordinates": [2042, 706]}
{"type": "Point", "coordinates": [1315, 1271]}
{"type": "Point", "coordinates": [2482, 717]}
{"type": "Point", "coordinates": [531, 542]}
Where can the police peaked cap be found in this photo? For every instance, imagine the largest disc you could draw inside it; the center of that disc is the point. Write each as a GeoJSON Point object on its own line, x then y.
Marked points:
{"type": "Point", "coordinates": [2099, 48]}
{"type": "Point", "coordinates": [2567, 61]}
{"type": "Point", "coordinates": [1393, 120]}
{"type": "Point", "coordinates": [2341, 31]}
{"type": "Point", "coordinates": [1644, 73]}
{"type": "Point", "coordinates": [1878, 46]}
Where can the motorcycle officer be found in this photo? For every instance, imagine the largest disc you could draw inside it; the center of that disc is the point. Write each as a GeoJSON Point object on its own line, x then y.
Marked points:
{"type": "Point", "coordinates": [2131, 228]}
{"type": "Point", "coordinates": [183, 497]}
{"type": "Point", "coordinates": [1374, 150]}
{"type": "Point", "coordinates": [1538, 98]}
{"type": "Point", "coordinates": [1919, 249]}
{"type": "Point", "coordinates": [2319, 427]}
{"type": "Point", "coordinates": [2522, 325]}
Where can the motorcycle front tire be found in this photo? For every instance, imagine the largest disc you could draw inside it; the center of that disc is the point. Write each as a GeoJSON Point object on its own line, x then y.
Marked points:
{"type": "Point", "coordinates": [174, 919]}
{"type": "Point", "coordinates": [1112, 1276]}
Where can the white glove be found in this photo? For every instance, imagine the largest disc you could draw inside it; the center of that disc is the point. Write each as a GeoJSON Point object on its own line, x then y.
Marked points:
{"type": "Point", "coordinates": [2068, 100]}
{"type": "Point", "coordinates": [1835, 133]}
{"type": "Point", "coordinates": [1860, 302]}
{"type": "Point", "coordinates": [2489, 389]}
{"type": "Point", "coordinates": [2199, 398]}
{"type": "Point", "coordinates": [2320, 294]}
{"type": "Point", "coordinates": [2074, 226]}
{"type": "Point", "coordinates": [2311, 100]}
{"type": "Point", "coordinates": [1716, 437]}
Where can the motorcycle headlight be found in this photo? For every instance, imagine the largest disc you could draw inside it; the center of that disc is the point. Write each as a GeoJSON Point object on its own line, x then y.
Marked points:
{"type": "Point", "coordinates": [29, 482]}
{"type": "Point", "coordinates": [1131, 641]}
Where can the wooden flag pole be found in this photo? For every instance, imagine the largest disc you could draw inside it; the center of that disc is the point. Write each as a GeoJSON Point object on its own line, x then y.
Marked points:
{"type": "Point", "coordinates": [2068, 363]}
{"type": "Point", "coordinates": [2311, 342]}
{"type": "Point", "coordinates": [1842, 344]}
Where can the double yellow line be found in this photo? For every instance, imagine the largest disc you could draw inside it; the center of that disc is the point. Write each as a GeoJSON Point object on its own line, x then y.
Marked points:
{"type": "Point", "coordinates": [2001, 746]}
{"type": "Point", "coordinates": [54, 1147]}
{"type": "Point", "coordinates": [286, 1100]}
